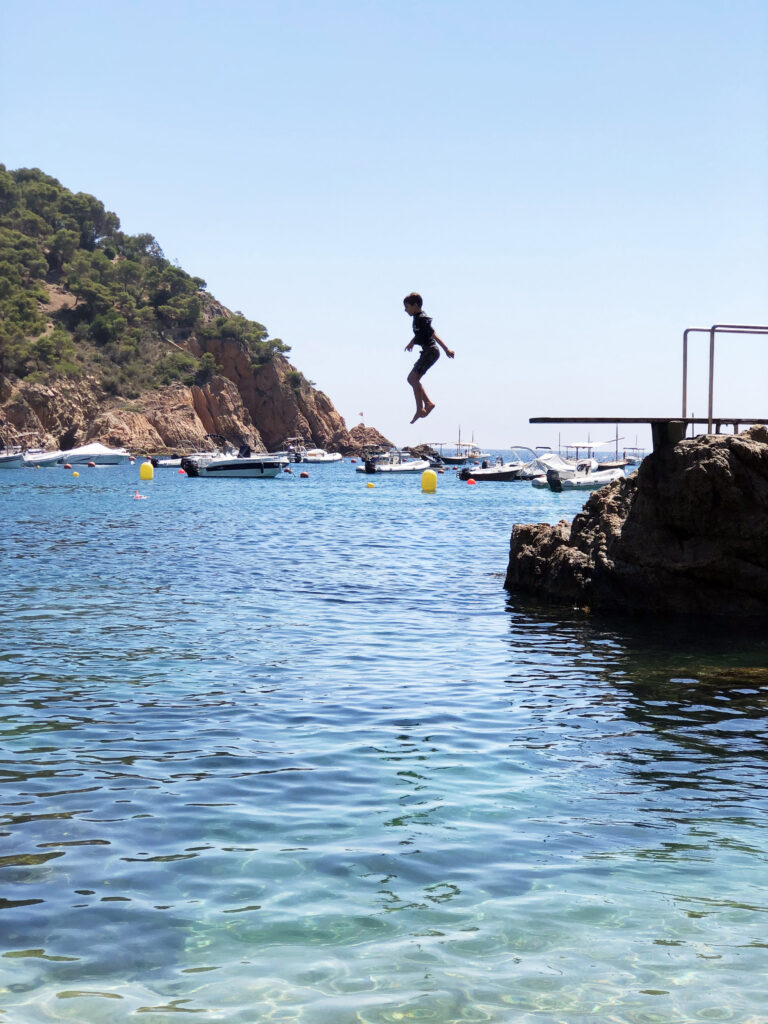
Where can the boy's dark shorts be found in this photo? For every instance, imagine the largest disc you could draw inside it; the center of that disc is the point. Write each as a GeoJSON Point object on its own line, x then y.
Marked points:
{"type": "Point", "coordinates": [428, 357]}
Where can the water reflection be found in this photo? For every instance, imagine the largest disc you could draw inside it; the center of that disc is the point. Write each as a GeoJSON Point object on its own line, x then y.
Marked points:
{"type": "Point", "coordinates": [702, 690]}
{"type": "Point", "coordinates": [283, 797]}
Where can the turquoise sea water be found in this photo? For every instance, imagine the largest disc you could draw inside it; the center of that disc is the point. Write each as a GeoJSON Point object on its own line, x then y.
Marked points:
{"type": "Point", "coordinates": [285, 751]}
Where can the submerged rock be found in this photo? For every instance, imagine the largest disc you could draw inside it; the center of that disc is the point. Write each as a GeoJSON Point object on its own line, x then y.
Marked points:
{"type": "Point", "coordinates": [686, 534]}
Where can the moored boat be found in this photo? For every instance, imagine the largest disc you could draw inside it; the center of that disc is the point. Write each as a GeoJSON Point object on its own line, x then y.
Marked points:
{"type": "Point", "coordinates": [319, 455]}
{"type": "Point", "coordinates": [393, 461]}
{"type": "Point", "coordinates": [12, 457]}
{"type": "Point", "coordinates": [586, 476]}
{"type": "Point", "coordinates": [244, 464]}
{"type": "Point", "coordinates": [97, 453]}
{"type": "Point", "coordinates": [499, 469]}
{"type": "Point", "coordinates": [41, 459]}
{"type": "Point", "coordinates": [297, 451]}
{"type": "Point", "coordinates": [538, 466]}
{"type": "Point", "coordinates": [465, 452]}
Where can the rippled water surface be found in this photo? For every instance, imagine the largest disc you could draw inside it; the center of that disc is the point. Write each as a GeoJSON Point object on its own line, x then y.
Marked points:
{"type": "Point", "coordinates": [284, 751]}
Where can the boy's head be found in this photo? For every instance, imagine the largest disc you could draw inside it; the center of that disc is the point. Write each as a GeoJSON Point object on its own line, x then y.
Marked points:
{"type": "Point", "coordinates": [414, 299]}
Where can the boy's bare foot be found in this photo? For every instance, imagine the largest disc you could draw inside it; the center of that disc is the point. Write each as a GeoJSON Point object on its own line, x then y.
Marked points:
{"type": "Point", "coordinates": [428, 408]}
{"type": "Point", "coordinates": [417, 415]}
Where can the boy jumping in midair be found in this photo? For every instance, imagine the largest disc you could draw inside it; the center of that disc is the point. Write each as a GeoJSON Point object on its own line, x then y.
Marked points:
{"type": "Point", "coordinates": [423, 335]}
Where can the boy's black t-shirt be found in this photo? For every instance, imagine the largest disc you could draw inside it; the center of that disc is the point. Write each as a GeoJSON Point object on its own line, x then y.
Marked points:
{"type": "Point", "coordinates": [423, 331]}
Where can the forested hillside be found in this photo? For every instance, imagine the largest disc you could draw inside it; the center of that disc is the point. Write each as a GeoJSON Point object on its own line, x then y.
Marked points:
{"type": "Point", "coordinates": [80, 297]}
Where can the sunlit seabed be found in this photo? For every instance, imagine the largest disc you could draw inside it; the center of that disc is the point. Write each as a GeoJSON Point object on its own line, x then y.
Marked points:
{"type": "Point", "coordinates": [285, 751]}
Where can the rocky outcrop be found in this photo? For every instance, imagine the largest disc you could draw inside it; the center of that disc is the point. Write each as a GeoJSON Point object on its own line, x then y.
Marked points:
{"type": "Point", "coordinates": [53, 415]}
{"type": "Point", "coordinates": [284, 405]}
{"type": "Point", "coordinates": [366, 437]}
{"type": "Point", "coordinates": [280, 401]}
{"type": "Point", "coordinates": [70, 413]}
{"type": "Point", "coordinates": [179, 418]}
{"type": "Point", "coordinates": [423, 451]}
{"type": "Point", "coordinates": [686, 534]}
{"type": "Point", "coordinates": [220, 409]}
{"type": "Point", "coordinates": [259, 404]}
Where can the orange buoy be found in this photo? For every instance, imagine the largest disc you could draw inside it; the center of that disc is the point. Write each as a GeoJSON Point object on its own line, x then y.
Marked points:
{"type": "Point", "coordinates": [181, 470]}
{"type": "Point", "coordinates": [67, 465]}
{"type": "Point", "coordinates": [92, 464]}
{"type": "Point", "coordinates": [304, 474]}
{"type": "Point", "coordinates": [471, 482]}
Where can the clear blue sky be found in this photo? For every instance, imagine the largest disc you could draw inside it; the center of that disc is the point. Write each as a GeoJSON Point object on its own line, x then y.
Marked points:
{"type": "Point", "coordinates": [569, 185]}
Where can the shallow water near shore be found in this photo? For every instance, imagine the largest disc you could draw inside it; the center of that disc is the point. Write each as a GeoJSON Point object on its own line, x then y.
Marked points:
{"type": "Point", "coordinates": [286, 751]}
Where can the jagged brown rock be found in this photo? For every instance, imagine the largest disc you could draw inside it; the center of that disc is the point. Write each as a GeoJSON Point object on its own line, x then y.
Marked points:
{"type": "Point", "coordinates": [54, 415]}
{"type": "Point", "coordinates": [365, 437]}
{"type": "Point", "coordinates": [261, 406]}
{"type": "Point", "coordinates": [686, 534]}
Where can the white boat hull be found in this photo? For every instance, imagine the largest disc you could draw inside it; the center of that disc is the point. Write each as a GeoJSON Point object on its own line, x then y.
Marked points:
{"type": "Point", "coordinates": [251, 467]}
{"type": "Point", "coordinates": [316, 455]}
{"type": "Point", "coordinates": [498, 471]}
{"type": "Point", "coordinates": [40, 460]}
{"type": "Point", "coordinates": [98, 454]}
{"type": "Point", "coordinates": [389, 466]}
{"type": "Point", "coordinates": [582, 481]}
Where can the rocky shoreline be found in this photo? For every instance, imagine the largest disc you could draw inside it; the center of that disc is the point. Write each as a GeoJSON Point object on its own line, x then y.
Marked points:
{"type": "Point", "coordinates": [261, 407]}
{"type": "Point", "coordinates": [687, 534]}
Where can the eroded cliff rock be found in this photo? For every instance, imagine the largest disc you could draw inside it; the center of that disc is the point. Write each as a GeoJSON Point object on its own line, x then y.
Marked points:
{"type": "Point", "coordinates": [69, 413]}
{"type": "Point", "coordinates": [364, 437]}
{"type": "Point", "coordinates": [53, 415]}
{"type": "Point", "coordinates": [261, 404]}
{"type": "Point", "coordinates": [686, 534]}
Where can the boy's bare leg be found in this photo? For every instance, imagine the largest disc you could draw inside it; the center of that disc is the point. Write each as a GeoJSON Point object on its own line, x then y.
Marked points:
{"type": "Point", "coordinates": [428, 404]}
{"type": "Point", "coordinates": [418, 394]}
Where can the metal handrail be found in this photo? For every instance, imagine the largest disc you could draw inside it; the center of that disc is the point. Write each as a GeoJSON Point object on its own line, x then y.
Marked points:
{"type": "Point", "coordinates": [712, 331]}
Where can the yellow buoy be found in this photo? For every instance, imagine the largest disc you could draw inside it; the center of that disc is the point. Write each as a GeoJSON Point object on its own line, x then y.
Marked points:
{"type": "Point", "coordinates": [75, 473]}
{"type": "Point", "coordinates": [369, 484]}
{"type": "Point", "coordinates": [146, 471]}
{"type": "Point", "coordinates": [429, 481]}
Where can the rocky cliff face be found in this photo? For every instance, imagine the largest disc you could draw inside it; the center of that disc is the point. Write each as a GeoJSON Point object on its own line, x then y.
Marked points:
{"type": "Point", "coordinates": [69, 413]}
{"type": "Point", "coordinates": [261, 406]}
{"type": "Point", "coordinates": [686, 534]}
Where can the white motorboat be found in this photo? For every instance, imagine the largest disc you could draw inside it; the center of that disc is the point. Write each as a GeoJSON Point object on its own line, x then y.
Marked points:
{"type": "Point", "coordinates": [499, 469]}
{"type": "Point", "coordinates": [297, 451]}
{"type": "Point", "coordinates": [12, 457]}
{"type": "Point", "coordinates": [320, 455]}
{"type": "Point", "coordinates": [97, 453]}
{"type": "Point", "coordinates": [584, 476]}
{"type": "Point", "coordinates": [393, 461]}
{"type": "Point", "coordinates": [189, 450]}
{"type": "Point", "coordinates": [496, 470]}
{"type": "Point", "coordinates": [41, 459]}
{"type": "Point", "coordinates": [583, 479]}
{"type": "Point", "coordinates": [539, 465]}
{"type": "Point", "coordinates": [244, 464]}
{"type": "Point", "coordinates": [174, 461]}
